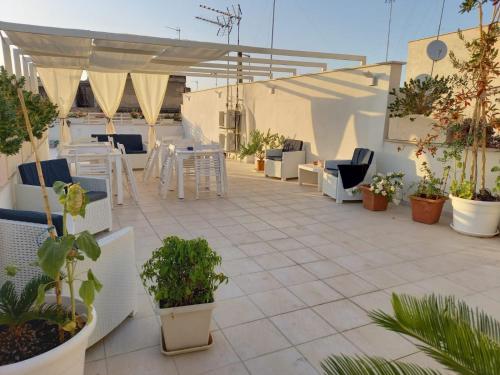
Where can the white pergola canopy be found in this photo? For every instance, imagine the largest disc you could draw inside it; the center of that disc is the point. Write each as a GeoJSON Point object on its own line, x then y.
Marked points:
{"type": "Point", "coordinates": [110, 52]}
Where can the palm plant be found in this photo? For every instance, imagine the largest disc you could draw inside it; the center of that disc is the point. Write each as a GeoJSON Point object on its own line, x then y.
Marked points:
{"type": "Point", "coordinates": [462, 339]}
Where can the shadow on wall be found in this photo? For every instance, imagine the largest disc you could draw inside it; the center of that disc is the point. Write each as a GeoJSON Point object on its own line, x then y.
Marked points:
{"type": "Point", "coordinates": [335, 122]}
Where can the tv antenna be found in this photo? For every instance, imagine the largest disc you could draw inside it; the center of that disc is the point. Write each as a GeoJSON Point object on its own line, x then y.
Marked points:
{"type": "Point", "coordinates": [226, 20]}
{"type": "Point", "coordinates": [176, 29]}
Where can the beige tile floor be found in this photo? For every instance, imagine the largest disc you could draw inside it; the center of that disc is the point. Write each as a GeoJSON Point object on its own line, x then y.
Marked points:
{"type": "Point", "coordinates": [303, 271]}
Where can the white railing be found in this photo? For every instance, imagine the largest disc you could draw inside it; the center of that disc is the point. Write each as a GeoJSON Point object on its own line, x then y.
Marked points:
{"type": "Point", "coordinates": [98, 118]}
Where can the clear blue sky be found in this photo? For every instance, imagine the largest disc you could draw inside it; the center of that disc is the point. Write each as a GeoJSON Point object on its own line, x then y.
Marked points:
{"type": "Point", "coordinates": [344, 26]}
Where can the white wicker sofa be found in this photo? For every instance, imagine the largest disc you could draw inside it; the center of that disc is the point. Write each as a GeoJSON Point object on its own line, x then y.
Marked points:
{"type": "Point", "coordinates": [19, 242]}
{"type": "Point", "coordinates": [28, 194]}
{"type": "Point", "coordinates": [284, 163]}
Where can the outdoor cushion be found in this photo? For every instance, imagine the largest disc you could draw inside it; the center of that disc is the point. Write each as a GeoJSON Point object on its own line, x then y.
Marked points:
{"type": "Point", "coordinates": [131, 142]}
{"type": "Point", "coordinates": [96, 195]}
{"type": "Point", "coordinates": [32, 217]}
{"type": "Point", "coordinates": [334, 172]}
{"type": "Point", "coordinates": [101, 137]}
{"type": "Point", "coordinates": [362, 156]}
{"type": "Point", "coordinates": [53, 170]}
{"type": "Point", "coordinates": [352, 175]}
{"type": "Point", "coordinates": [292, 145]}
{"type": "Point", "coordinates": [276, 158]}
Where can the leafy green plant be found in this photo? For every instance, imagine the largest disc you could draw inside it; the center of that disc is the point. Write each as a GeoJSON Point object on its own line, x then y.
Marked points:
{"type": "Point", "coordinates": [56, 255]}
{"type": "Point", "coordinates": [18, 309]}
{"type": "Point", "coordinates": [496, 189]}
{"type": "Point", "coordinates": [387, 185]}
{"type": "Point", "coordinates": [13, 131]}
{"type": "Point", "coordinates": [462, 189]}
{"type": "Point", "coordinates": [418, 96]}
{"type": "Point", "coordinates": [430, 186]}
{"type": "Point", "coordinates": [463, 339]}
{"type": "Point", "coordinates": [182, 272]}
{"type": "Point", "coordinates": [473, 91]}
{"type": "Point", "coordinates": [259, 142]}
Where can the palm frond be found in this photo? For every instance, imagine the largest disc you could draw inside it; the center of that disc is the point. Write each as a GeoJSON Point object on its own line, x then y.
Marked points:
{"type": "Point", "coordinates": [8, 298]}
{"type": "Point", "coordinates": [462, 339]}
{"type": "Point", "coordinates": [364, 365]}
{"type": "Point", "coordinates": [30, 292]}
{"type": "Point", "coordinates": [53, 313]}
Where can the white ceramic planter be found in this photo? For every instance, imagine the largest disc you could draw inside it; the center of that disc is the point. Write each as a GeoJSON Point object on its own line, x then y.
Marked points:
{"type": "Point", "coordinates": [475, 218]}
{"type": "Point", "coordinates": [68, 358]}
{"type": "Point", "coordinates": [186, 326]}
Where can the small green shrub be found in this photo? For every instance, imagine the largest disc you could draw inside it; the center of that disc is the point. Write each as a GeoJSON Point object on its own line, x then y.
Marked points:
{"type": "Point", "coordinates": [182, 272]}
{"type": "Point", "coordinates": [430, 186]}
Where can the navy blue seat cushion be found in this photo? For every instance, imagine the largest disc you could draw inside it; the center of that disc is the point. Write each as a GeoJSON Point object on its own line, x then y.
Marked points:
{"type": "Point", "coordinates": [334, 172]}
{"type": "Point", "coordinates": [96, 195]}
{"type": "Point", "coordinates": [277, 158]}
{"type": "Point", "coordinates": [292, 145]}
{"type": "Point", "coordinates": [32, 217]}
{"type": "Point", "coordinates": [131, 142]}
{"type": "Point", "coordinates": [53, 170]}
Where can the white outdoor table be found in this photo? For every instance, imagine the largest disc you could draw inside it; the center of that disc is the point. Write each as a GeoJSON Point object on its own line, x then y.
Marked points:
{"type": "Point", "coordinates": [115, 155]}
{"type": "Point", "coordinates": [311, 174]}
{"type": "Point", "coordinates": [182, 154]}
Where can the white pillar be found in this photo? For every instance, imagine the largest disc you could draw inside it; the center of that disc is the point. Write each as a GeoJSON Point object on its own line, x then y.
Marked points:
{"type": "Point", "coordinates": [26, 74]}
{"type": "Point", "coordinates": [7, 56]}
{"type": "Point", "coordinates": [17, 63]}
{"type": "Point", "coordinates": [33, 78]}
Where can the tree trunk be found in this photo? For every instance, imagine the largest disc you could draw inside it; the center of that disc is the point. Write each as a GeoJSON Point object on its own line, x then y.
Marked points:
{"type": "Point", "coordinates": [42, 181]}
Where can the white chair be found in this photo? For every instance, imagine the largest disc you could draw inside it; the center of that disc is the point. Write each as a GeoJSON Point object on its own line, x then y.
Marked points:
{"type": "Point", "coordinates": [167, 171]}
{"type": "Point", "coordinates": [28, 195]}
{"type": "Point", "coordinates": [284, 163]}
{"type": "Point", "coordinates": [152, 162]}
{"type": "Point", "coordinates": [95, 166]}
{"type": "Point", "coordinates": [129, 174]}
{"type": "Point", "coordinates": [115, 268]}
{"type": "Point", "coordinates": [341, 175]}
{"type": "Point", "coordinates": [208, 164]}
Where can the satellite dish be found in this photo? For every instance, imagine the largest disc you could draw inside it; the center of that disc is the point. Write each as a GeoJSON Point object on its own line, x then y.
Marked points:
{"type": "Point", "coordinates": [437, 50]}
{"type": "Point", "coordinates": [422, 77]}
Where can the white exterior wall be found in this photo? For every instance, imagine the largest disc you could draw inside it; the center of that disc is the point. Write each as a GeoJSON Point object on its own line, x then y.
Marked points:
{"type": "Point", "coordinates": [332, 112]}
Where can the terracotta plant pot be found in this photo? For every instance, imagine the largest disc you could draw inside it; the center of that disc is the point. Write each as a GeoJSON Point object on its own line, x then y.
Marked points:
{"type": "Point", "coordinates": [372, 201]}
{"type": "Point", "coordinates": [259, 165]}
{"type": "Point", "coordinates": [427, 211]}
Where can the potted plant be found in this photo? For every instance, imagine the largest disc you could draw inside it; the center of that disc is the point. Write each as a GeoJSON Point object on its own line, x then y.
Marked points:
{"type": "Point", "coordinates": [258, 144]}
{"type": "Point", "coordinates": [428, 200]}
{"type": "Point", "coordinates": [382, 190]}
{"type": "Point", "coordinates": [42, 334]}
{"type": "Point", "coordinates": [476, 210]}
{"type": "Point", "coordinates": [181, 277]}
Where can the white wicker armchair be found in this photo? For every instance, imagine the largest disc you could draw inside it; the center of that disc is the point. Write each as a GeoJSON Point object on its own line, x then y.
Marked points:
{"type": "Point", "coordinates": [284, 163]}
{"type": "Point", "coordinates": [19, 242]}
{"type": "Point", "coordinates": [98, 216]}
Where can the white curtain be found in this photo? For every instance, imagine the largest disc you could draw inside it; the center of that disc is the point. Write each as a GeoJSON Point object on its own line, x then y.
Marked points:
{"type": "Point", "coordinates": [150, 90]}
{"type": "Point", "coordinates": [61, 86]}
{"type": "Point", "coordinates": [108, 91]}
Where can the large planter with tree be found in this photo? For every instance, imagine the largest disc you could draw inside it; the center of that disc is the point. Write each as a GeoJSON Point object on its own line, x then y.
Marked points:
{"type": "Point", "coordinates": [476, 210]}
{"type": "Point", "coordinates": [182, 279]}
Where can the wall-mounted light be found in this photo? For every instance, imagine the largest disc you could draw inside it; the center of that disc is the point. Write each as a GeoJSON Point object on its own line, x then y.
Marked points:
{"type": "Point", "coordinates": [373, 78]}
{"type": "Point", "coordinates": [272, 90]}
{"type": "Point", "coordinates": [219, 93]}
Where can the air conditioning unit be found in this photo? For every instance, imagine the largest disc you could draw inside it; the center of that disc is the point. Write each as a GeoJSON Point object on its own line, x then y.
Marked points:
{"type": "Point", "coordinates": [229, 119]}
{"type": "Point", "coordinates": [228, 142]}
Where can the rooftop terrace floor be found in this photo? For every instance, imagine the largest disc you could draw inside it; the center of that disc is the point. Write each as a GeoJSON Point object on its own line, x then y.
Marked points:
{"type": "Point", "coordinates": [303, 272]}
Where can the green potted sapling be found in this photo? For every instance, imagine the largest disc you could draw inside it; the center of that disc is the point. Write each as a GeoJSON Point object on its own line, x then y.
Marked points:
{"type": "Point", "coordinates": [64, 322]}
{"type": "Point", "coordinates": [181, 277]}
{"type": "Point", "coordinates": [258, 144]}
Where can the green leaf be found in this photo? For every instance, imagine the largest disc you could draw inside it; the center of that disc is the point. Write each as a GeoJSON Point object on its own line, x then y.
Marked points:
{"type": "Point", "coordinates": [97, 283]}
{"type": "Point", "coordinates": [58, 187]}
{"type": "Point", "coordinates": [40, 298]}
{"type": "Point", "coordinates": [87, 243]}
{"type": "Point", "coordinates": [361, 365]}
{"type": "Point", "coordinates": [87, 292]}
{"type": "Point", "coordinates": [53, 252]}
{"type": "Point", "coordinates": [11, 271]}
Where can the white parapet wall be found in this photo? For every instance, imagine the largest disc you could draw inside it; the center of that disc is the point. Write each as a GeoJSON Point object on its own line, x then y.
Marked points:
{"type": "Point", "coordinates": [332, 112]}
